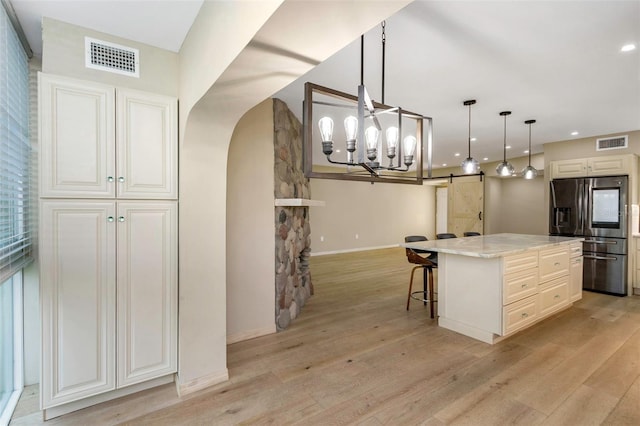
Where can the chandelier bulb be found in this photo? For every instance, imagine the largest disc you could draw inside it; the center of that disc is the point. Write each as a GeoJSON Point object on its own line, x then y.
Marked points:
{"type": "Point", "coordinates": [371, 138]}
{"type": "Point", "coordinates": [326, 129]}
{"type": "Point", "coordinates": [326, 133]}
{"type": "Point", "coordinates": [409, 145]}
{"type": "Point", "coordinates": [351, 127]}
{"type": "Point", "coordinates": [392, 137]}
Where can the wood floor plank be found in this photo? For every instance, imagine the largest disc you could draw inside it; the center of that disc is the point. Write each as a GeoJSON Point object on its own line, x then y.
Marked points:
{"type": "Point", "coordinates": [558, 384]}
{"type": "Point", "coordinates": [627, 412]}
{"type": "Point", "coordinates": [616, 375]}
{"type": "Point", "coordinates": [586, 406]}
{"type": "Point", "coordinates": [481, 401]}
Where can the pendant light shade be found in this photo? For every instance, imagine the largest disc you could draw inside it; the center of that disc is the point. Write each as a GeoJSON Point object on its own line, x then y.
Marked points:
{"type": "Point", "coordinates": [529, 172]}
{"type": "Point", "coordinates": [470, 165]}
{"type": "Point", "coordinates": [505, 168]}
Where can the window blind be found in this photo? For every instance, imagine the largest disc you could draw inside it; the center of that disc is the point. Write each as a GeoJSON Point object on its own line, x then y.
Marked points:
{"type": "Point", "coordinates": [15, 152]}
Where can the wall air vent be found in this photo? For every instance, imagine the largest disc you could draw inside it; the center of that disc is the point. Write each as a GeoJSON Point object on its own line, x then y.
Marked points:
{"type": "Point", "coordinates": [614, 142]}
{"type": "Point", "coordinates": [111, 57]}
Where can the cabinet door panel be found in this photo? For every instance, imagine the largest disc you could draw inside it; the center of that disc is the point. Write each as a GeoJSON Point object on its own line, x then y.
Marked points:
{"type": "Point", "coordinates": [568, 168]}
{"type": "Point", "coordinates": [575, 278]}
{"type": "Point", "coordinates": [77, 278]}
{"type": "Point", "coordinates": [77, 134]}
{"type": "Point", "coordinates": [609, 165]}
{"type": "Point", "coordinates": [147, 145]}
{"type": "Point", "coordinates": [147, 290]}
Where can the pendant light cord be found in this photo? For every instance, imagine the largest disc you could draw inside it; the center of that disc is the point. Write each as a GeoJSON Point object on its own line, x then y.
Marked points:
{"type": "Point", "coordinates": [504, 149]}
{"type": "Point", "coordinates": [529, 144]}
{"type": "Point", "coordinates": [504, 144]}
{"type": "Point", "coordinates": [384, 41]}
{"type": "Point", "coordinates": [469, 140]}
{"type": "Point", "coordinates": [362, 60]}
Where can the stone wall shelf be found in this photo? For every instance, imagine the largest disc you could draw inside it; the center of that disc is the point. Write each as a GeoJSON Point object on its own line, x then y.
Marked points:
{"type": "Point", "coordinates": [298, 202]}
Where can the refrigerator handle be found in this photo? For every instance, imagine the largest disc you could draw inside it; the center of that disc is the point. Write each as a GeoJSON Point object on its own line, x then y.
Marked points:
{"type": "Point", "coordinates": [581, 194]}
{"type": "Point", "coordinates": [584, 211]}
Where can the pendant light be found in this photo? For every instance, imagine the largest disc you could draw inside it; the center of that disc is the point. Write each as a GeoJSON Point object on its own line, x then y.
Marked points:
{"type": "Point", "coordinates": [505, 168]}
{"type": "Point", "coordinates": [529, 172]}
{"type": "Point", "coordinates": [470, 165]}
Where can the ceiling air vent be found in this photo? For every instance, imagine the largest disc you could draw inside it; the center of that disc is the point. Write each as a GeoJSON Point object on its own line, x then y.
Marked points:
{"type": "Point", "coordinates": [614, 142]}
{"type": "Point", "coordinates": [111, 57]}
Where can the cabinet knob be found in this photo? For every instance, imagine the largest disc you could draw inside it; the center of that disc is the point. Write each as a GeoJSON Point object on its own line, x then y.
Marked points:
{"type": "Point", "coordinates": [109, 178]}
{"type": "Point", "coordinates": [120, 179]}
{"type": "Point", "coordinates": [120, 218]}
{"type": "Point", "coordinates": [524, 315]}
{"type": "Point", "coordinates": [524, 285]}
{"type": "Point", "coordinates": [557, 296]}
{"type": "Point", "coordinates": [110, 219]}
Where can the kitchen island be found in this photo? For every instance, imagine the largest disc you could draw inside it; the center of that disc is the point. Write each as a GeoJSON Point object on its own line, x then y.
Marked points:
{"type": "Point", "coordinates": [492, 286]}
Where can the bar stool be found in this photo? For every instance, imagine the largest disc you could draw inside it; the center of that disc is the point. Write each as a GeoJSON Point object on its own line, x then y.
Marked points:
{"type": "Point", "coordinates": [445, 236]}
{"type": "Point", "coordinates": [427, 264]}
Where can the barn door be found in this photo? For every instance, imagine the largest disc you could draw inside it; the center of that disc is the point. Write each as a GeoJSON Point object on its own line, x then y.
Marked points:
{"type": "Point", "coordinates": [465, 206]}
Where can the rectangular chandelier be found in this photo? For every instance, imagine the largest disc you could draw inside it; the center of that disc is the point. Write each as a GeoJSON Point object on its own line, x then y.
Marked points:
{"type": "Point", "coordinates": [350, 137]}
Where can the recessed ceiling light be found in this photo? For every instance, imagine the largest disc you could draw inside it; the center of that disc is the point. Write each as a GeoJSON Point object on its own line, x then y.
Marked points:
{"type": "Point", "coordinates": [508, 147]}
{"type": "Point", "coordinates": [337, 151]}
{"type": "Point", "coordinates": [628, 47]}
{"type": "Point", "coordinates": [473, 139]}
{"type": "Point", "coordinates": [574, 133]}
{"type": "Point", "coordinates": [444, 164]}
{"type": "Point", "coordinates": [526, 151]}
{"type": "Point", "coordinates": [485, 158]}
{"type": "Point", "coordinates": [457, 154]}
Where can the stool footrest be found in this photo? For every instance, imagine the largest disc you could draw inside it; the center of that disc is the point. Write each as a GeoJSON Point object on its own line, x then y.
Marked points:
{"type": "Point", "coordinates": [424, 298]}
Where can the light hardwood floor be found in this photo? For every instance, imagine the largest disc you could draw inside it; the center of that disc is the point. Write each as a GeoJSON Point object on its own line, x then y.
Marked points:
{"type": "Point", "coordinates": [356, 356]}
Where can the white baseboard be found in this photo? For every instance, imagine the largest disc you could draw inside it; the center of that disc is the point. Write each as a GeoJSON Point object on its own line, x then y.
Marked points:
{"type": "Point", "coordinates": [251, 334]}
{"type": "Point", "coordinates": [322, 253]}
{"type": "Point", "coordinates": [201, 382]}
{"type": "Point", "coordinates": [59, 410]}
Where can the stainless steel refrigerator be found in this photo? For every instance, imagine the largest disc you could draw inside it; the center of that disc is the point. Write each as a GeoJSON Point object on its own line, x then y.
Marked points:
{"type": "Point", "coordinates": [596, 209]}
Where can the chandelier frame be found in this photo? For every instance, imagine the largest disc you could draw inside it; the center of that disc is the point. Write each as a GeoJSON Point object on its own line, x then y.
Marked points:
{"type": "Point", "coordinates": [367, 109]}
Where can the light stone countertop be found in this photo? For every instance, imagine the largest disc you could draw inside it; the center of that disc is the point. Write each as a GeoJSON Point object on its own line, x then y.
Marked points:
{"type": "Point", "coordinates": [490, 246]}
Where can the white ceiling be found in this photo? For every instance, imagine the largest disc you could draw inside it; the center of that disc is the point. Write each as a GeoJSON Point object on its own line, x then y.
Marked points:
{"type": "Point", "coordinates": [160, 23]}
{"type": "Point", "coordinates": [558, 62]}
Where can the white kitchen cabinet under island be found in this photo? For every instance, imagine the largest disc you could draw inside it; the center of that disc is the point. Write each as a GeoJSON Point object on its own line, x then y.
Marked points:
{"type": "Point", "coordinates": [492, 286]}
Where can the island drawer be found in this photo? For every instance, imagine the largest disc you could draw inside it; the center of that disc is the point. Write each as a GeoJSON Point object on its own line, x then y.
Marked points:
{"type": "Point", "coordinates": [575, 249]}
{"type": "Point", "coordinates": [519, 285]}
{"type": "Point", "coordinates": [519, 314]}
{"type": "Point", "coordinates": [520, 262]}
{"type": "Point", "coordinates": [554, 263]}
{"type": "Point", "coordinates": [553, 295]}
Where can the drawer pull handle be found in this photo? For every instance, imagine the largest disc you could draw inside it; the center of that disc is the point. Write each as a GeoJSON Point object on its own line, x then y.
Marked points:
{"type": "Point", "coordinates": [556, 264]}
{"type": "Point", "coordinates": [524, 315]}
{"type": "Point", "coordinates": [557, 296]}
{"type": "Point", "coordinates": [524, 285]}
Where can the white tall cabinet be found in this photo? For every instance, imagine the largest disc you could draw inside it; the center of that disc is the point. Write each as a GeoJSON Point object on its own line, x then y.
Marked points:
{"type": "Point", "coordinates": [108, 241]}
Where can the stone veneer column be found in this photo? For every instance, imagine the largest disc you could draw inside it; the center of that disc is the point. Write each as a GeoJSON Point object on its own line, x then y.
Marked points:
{"type": "Point", "coordinates": [292, 229]}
